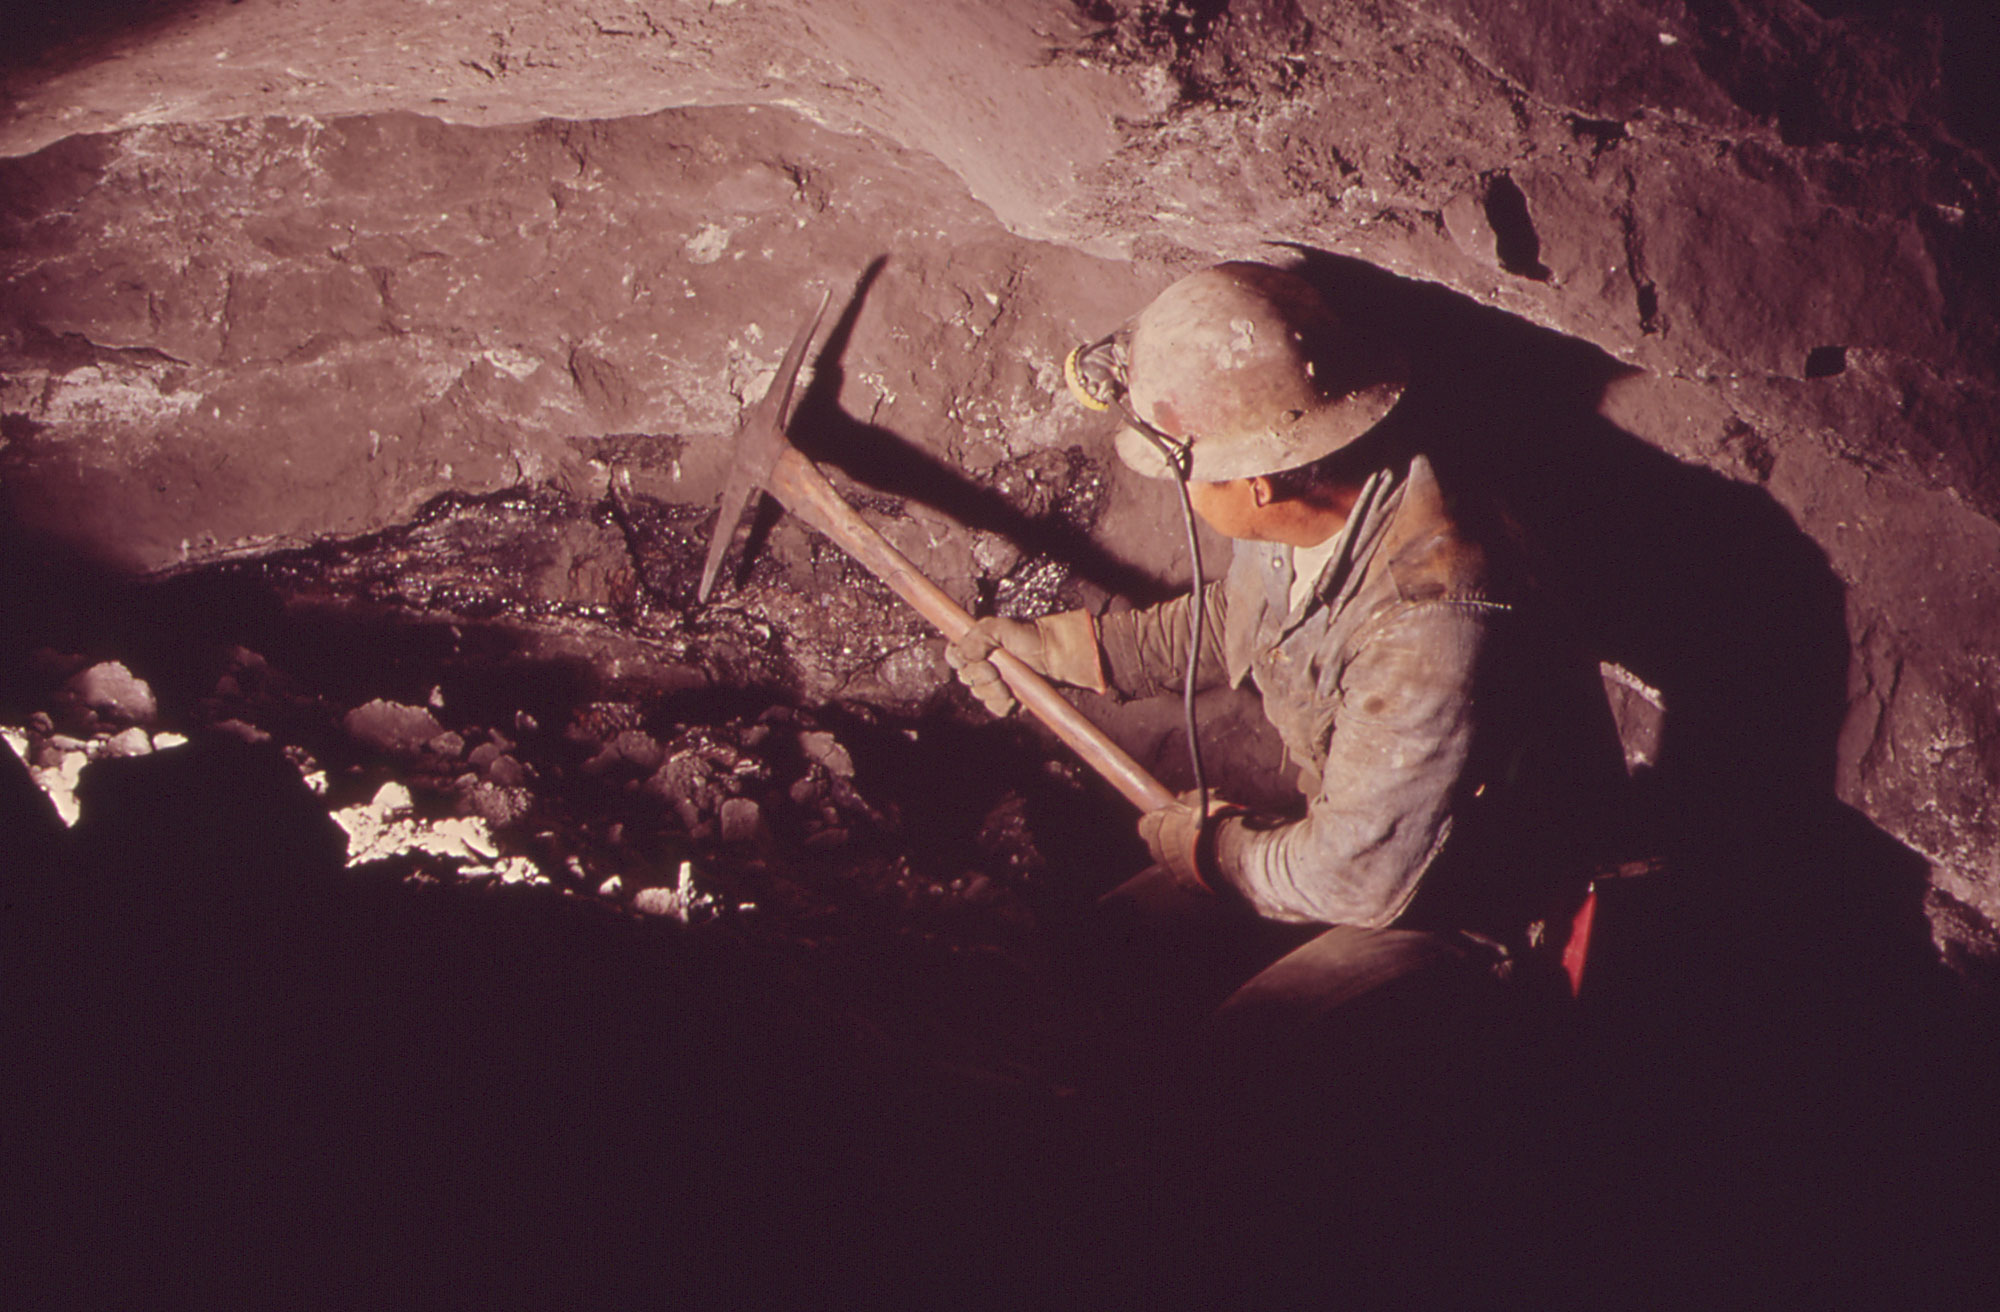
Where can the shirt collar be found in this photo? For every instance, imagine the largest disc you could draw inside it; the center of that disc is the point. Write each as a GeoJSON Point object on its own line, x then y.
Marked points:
{"type": "Point", "coordinates": [1332, 564]}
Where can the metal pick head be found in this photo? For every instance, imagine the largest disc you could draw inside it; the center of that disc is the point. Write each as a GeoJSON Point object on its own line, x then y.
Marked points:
{"type": "Point", "coordinates": [759, 440]}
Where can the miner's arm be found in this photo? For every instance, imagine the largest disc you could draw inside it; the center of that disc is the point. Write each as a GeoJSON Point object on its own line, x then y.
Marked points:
{"type": "Point", "coordinates": [1145, 651]}
{"type": "Point", "coordinates": [1396, 755]}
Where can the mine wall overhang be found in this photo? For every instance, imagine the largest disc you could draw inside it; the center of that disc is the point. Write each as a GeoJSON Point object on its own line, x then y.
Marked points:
{"type": "Point", "coordinates": [1763, 226]}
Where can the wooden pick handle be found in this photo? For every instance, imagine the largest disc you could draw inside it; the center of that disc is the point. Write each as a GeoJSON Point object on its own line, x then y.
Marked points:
{"type": "Point", "coordinates": [795, 481]}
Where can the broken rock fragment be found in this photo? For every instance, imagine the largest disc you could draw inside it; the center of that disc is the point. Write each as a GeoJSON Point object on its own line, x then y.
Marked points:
{"type": "Point", "coordinates": [742, 821]}
{"type": "Point", "coordinates": [448, 745]}
{"type": "Point", "coordinates": [681, 901]}
{"type": "Point", "coordinates": [496, 804]}
{"type": "Point", "coordinates": [633, 748]}
{"type": "Point", "coordinates": [507, 772]}
{"type": "Point", "coordinates": [113, 693]}
{"type": "Point", "coordinates": [392, 727]}
{"type": "Point", "coordinates": [130, 742]}
{"type": "Point", "coordinates": [823, 747]}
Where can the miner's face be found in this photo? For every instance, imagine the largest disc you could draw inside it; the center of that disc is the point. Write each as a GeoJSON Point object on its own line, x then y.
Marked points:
{"type": "Point", "coordinates": [1232, 509]}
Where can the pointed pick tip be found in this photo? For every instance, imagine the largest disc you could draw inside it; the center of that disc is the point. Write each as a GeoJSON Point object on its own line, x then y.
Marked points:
{"type": "Point", "coordinates": [775, 408]}
{"type": "Point", "coordinates": [713, 565]}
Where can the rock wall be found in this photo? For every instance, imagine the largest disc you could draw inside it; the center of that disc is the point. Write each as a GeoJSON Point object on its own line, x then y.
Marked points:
{"type": "Point", "coordinates": [245, 334]}
{"type": "Point", "coordinates": [276, 270]}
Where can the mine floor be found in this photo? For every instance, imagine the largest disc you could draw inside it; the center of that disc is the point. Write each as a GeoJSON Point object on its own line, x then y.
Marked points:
{"type": "Point", "coordinates": [436, 941]}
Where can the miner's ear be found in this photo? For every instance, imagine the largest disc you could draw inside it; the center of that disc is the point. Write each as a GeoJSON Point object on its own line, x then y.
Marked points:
{"type": "Point", "coordinates": [1262, 491]}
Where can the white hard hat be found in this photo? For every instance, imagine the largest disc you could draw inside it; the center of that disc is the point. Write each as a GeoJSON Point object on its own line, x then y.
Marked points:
{"type": "Point", "coordinates": [1246, 370]}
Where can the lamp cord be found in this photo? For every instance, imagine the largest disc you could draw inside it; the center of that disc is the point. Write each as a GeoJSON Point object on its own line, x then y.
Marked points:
{"type": "Point", "coordinates": [1100, 388]}
{"type": "Point", "coordinates": [1179, 456]}
{"type": "Point", "coordinates": [1197, 621]}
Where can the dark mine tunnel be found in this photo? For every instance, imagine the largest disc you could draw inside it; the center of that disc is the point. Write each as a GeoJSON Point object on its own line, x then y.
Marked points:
{"type": "Point", "coordinates": [418, 889]}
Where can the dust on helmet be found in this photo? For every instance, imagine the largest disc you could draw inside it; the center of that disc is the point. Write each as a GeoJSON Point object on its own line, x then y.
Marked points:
{"type": "Point", "coordinates": [1243, 369]}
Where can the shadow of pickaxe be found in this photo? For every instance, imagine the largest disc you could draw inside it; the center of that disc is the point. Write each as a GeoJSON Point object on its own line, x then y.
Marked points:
{"type": "Point", "coordinates": [764, 458]}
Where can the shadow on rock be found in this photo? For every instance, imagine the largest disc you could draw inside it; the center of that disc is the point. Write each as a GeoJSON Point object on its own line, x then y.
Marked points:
{"type": "Point", "coordinates": [883, 461]}
{"type": "Point", "coordinates": [63, 35]}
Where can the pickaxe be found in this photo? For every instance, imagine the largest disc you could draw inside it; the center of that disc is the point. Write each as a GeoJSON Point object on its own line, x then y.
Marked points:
{"type": "Point", "coordinates": [764, 458]}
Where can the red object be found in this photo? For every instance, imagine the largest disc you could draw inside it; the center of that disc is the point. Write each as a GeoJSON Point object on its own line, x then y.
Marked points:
{"type": "Point", "coordinates": [1577, 950]}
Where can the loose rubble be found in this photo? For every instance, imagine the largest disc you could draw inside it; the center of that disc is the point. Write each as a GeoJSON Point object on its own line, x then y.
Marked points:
{"type": "Point", "coordinates": [658, 760]}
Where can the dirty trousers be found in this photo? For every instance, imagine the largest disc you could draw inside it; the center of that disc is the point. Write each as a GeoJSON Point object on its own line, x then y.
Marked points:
{"type": "Point", "coordinates": [1239, 978]}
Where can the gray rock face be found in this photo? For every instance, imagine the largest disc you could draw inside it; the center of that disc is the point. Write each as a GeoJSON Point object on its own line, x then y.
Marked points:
{"type": "Point", "coordinates": [262, 282]}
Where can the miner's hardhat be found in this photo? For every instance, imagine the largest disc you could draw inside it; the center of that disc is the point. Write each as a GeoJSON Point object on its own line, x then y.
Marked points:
{"type": "Point", "coordinates": [1238, 370]}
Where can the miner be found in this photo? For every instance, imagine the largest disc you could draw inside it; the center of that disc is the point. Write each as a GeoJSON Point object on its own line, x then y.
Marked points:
{"type": "Point", "coordinates": [1450, 744]}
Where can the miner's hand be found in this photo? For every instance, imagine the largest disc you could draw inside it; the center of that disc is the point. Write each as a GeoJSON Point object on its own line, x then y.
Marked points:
{"type": "Point", "coordinates": [1061, 647]}
{"type": "Point", "coordinates": [1184, 846]}
{"type": "Point", "coordinates": [972, 657]}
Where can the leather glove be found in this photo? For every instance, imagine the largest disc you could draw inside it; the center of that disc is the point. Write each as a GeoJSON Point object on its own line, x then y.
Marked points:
{"type": "Point", "coordinates": [1182, 845]}
{"type": "Point", "coordinates": [1061, 647]}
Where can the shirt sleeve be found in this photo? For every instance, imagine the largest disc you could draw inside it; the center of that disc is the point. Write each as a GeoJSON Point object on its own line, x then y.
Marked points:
{"type": "Point", "coordinates": [1145, 651]}
{"type": "Point", "coordinates": [1396, 752]}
